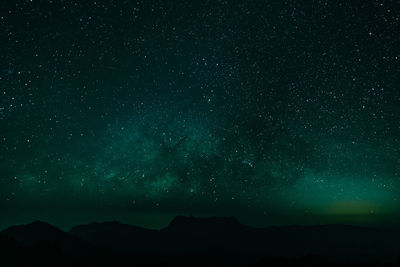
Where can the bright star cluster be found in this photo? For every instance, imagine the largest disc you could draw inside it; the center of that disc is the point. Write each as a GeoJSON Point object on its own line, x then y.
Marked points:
{"type": "Point", "coordinates": [270, 111]}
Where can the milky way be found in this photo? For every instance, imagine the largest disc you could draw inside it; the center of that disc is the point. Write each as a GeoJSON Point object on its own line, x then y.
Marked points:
{"type": "Point", "coordinates": [140, 110]}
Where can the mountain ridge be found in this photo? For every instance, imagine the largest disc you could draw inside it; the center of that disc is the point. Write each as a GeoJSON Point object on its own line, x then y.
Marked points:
{"type": "Point", "coordinates": [216, 238]}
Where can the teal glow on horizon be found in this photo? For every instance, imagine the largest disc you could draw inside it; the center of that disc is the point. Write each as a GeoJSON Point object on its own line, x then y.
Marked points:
{"type": "Point", "coordinates": [339, 195]}
{"type": "Point", "coordinates": [276, 112]}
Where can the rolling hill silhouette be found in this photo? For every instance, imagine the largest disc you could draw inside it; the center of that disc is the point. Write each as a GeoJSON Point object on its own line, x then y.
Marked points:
{"type": "Point", "coordinates": [36, 231]}
{"type": "Point", "coordinates": [195, 241]}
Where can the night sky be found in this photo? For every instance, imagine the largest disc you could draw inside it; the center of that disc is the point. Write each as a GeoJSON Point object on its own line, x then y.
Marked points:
{"type": "Point", "coordinates": [276, 112]}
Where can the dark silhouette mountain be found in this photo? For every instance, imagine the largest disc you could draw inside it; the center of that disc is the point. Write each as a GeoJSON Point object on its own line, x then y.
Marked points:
{"type": "Point", "coordinates": [192, 224]}
{"type": "Point", "coordinates": [208, 229]}
{"type": "Point", "coordinates": [222, 239]}
{"type": "Point", "coordinates": [340, 242]}
{"type": "Point", "coordinates": [9, 249]}
{"type": "Point", "coordinates": [40, 244]}
{"type": "Point", "coordinates": [202, 241]}
{"type": "Point", "coordinates": [40, 239]}
{"type": "Point", "coordinates": [35, 231]}
{"type": "Point", "coordinates": [117, 236]}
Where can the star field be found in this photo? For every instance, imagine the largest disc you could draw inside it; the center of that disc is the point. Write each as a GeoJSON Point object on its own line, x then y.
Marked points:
{"type": "Point", "coordinates": [275, 112]}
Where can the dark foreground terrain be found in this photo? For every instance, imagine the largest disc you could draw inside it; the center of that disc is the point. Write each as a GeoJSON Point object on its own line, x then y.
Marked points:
{"type": "Point", "coordinates": [189, 241]}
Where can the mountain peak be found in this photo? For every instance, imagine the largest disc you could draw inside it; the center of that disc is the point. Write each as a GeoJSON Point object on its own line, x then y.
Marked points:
{"type": "Point", "coordinates": [39, 223]}
{"type": "Point", "coordinates": [36, 230]}
{"type": "Point", "coordinates": [35, 225]}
